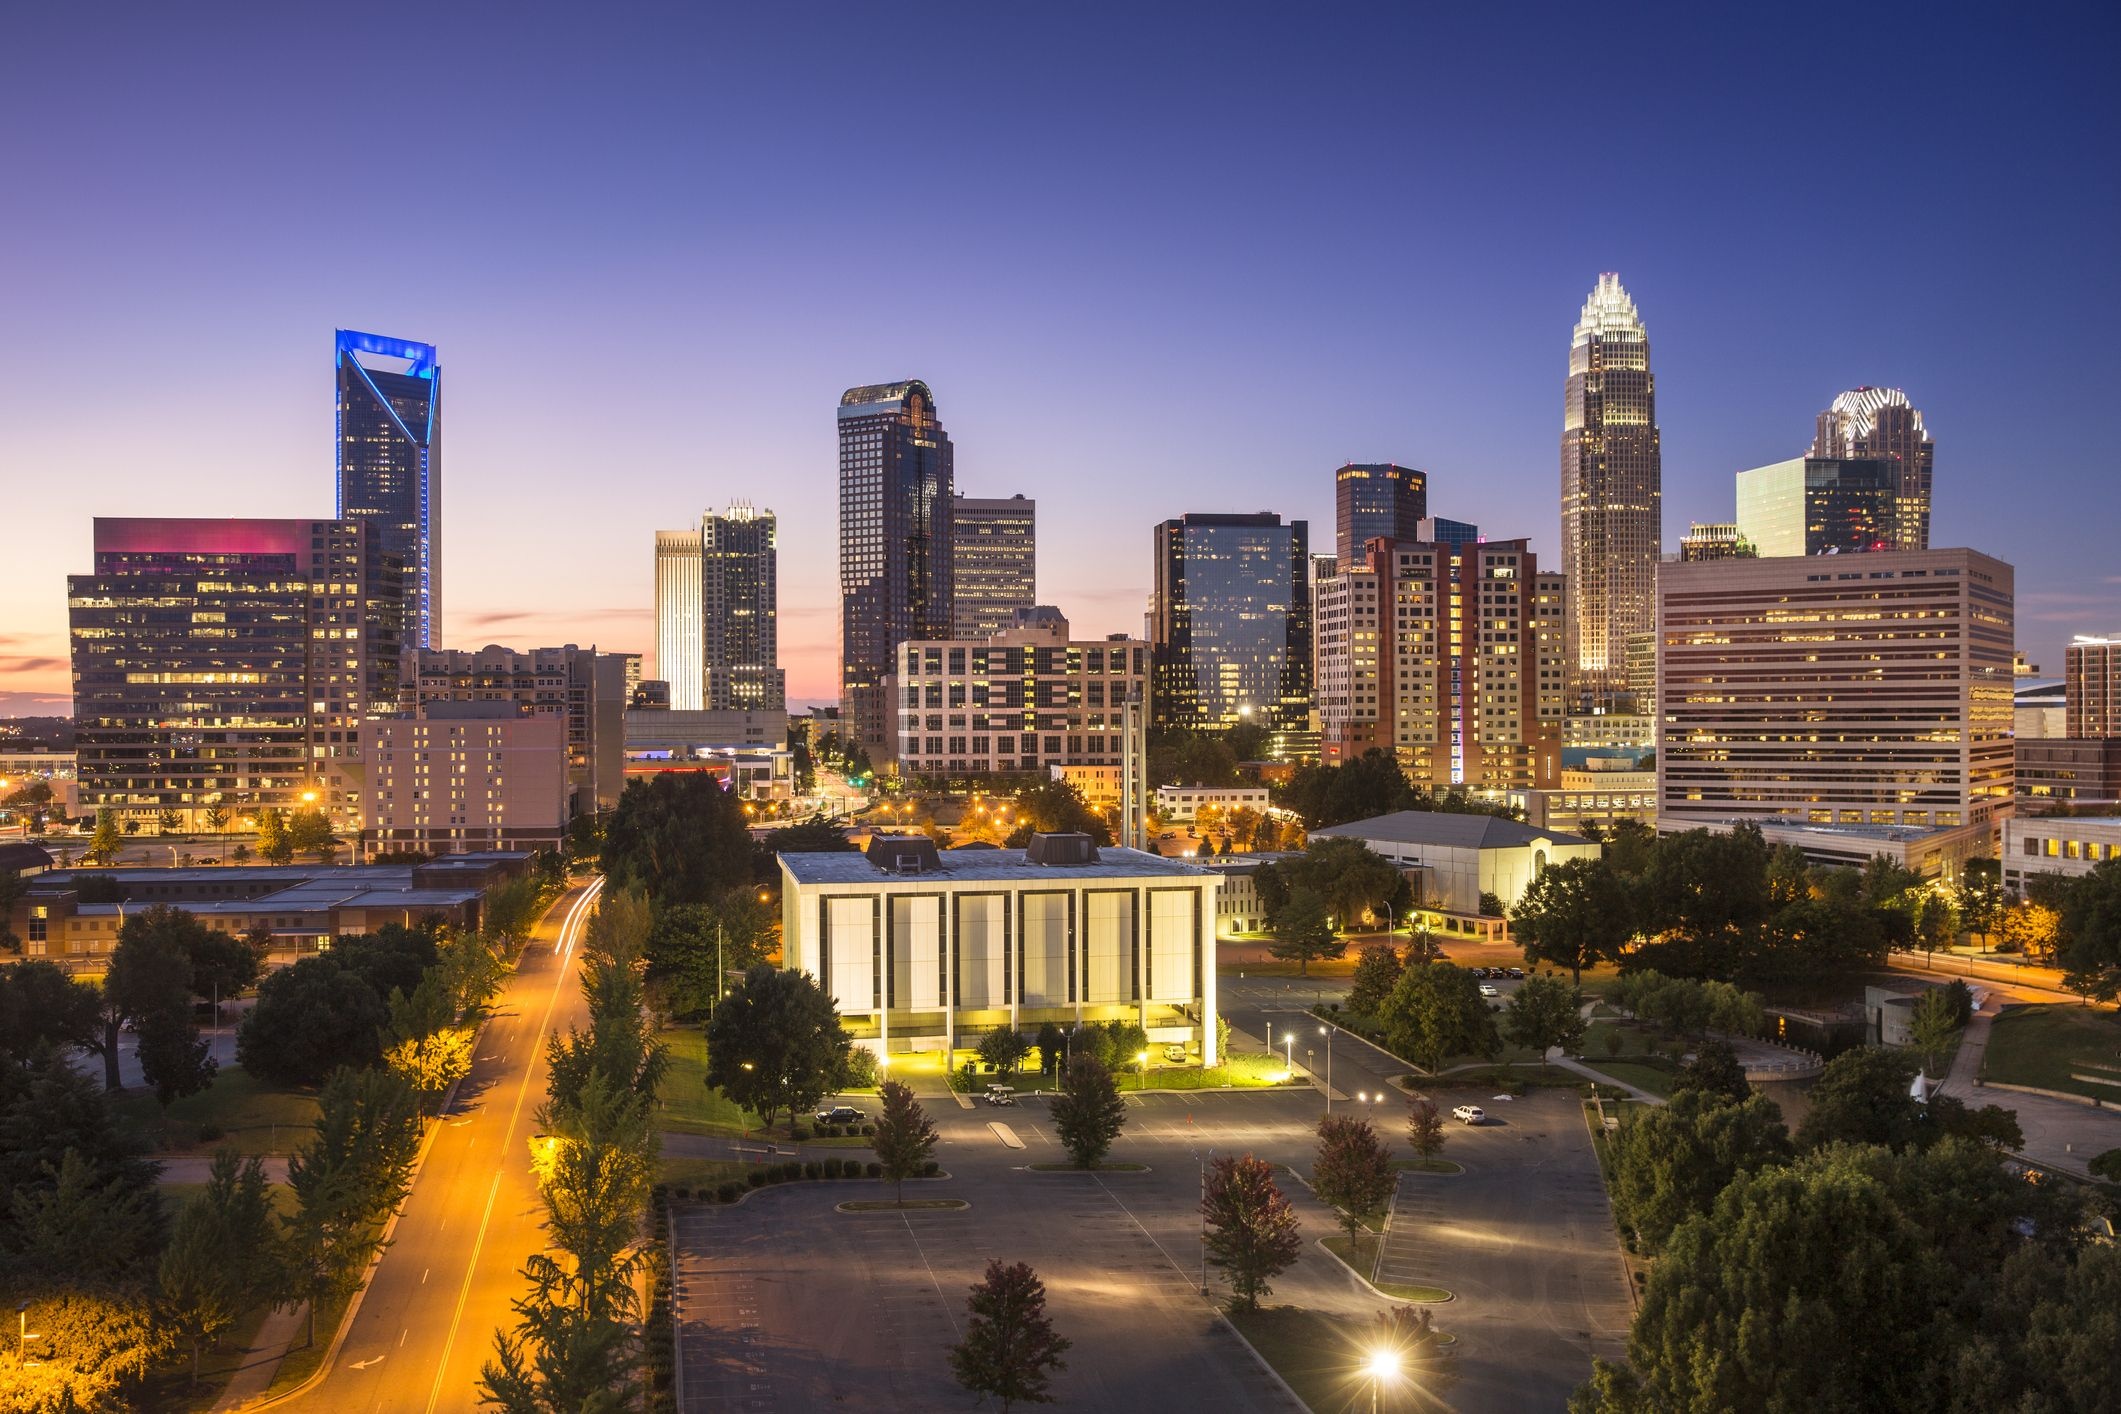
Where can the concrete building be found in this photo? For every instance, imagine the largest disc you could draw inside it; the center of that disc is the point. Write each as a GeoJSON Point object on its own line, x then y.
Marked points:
{"type": "Point", "coordinates": [1592, 800]}
{"type": "Point", "coordinates": [1024, 700]}
{"type": "Point", "coordinates": [1183, 803]}
{"type": "Point", "coordinates": [1838, 690]}
{"type": "Point", "coordinates": [926, 949]}
{"type": "Point", "coordinates": [679, 638]}
{"type": "Point", "coordinates": [1238, 905]}
{"type": "Point", "coordinates": [2069, 845]}
{"type": "Point", "coordinates": [231, 663]}
{"type": "Point", "coordinates": [1935, 852]}
{"type": "Point", "coordinates": [717, 593]}
{"type": "Point", "coordinates": [1612, 489]}
{"type": "Point", "coordinates": [1818, 506]}
{"type": "Point", "coordinates": [994, 555]}
{"type": "Point", "coordinates": [2057, 772]}
{"type": "Point", "coordinates": [389, 439]}
{"type": "Point", "coordinates": [1714, 542]}
{"type": "Point", "coordinates": [1373, 500]}
{"type": "Point", "coordinates": [2040, 710]}
{"type": "Point", "coordinates": [1100, 786]}
{"type": "Point", "coordinates": [1453, 859]}
{"type": "Point", "coordinates": [464, 777]}
{"type": "Point", "coordinates": [2092, 685]}
{"type": "Point", "coordinates": [1878, 423]}
{"type": "Point", "coordinates": [1230, 623]}
{"type": "Point", "coordinates": [748, 749]}
{"type": "Point", "coordinates": [1452, 658]}
{"type": "Point", "coordinates": [584, 687]}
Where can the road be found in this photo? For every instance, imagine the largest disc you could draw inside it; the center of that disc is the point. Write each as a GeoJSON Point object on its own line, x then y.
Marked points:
{"type": "Point", "coordinates": [427, 1321]}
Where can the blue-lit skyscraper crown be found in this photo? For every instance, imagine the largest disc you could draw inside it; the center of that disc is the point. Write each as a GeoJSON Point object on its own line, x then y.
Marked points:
{"type": "Point", "coordinates": [389, 461]}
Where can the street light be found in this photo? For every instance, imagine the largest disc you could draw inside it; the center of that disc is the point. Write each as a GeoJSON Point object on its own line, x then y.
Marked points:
{"type": "Point", "coordinates": [1288, 1041]}
{"type": "Point", "coordinates": [1327, 1032]}
{"type": "Point", "coordinates": [1382, 1365]}
{"type": "Point", "coordinates": [1141, 1058]}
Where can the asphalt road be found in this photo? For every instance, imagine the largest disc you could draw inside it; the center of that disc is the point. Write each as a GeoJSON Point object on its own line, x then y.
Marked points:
{"type": "Point", "coordinates": [443, 1288]}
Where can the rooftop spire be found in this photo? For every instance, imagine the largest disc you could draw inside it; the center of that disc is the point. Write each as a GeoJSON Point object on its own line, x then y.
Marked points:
{"type": "Point", "coordinates": [1609, 310]}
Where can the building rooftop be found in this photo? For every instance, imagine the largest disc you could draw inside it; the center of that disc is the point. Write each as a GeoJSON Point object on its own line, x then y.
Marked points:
{"type": "Point", "coordinates": [14, 858]}
{"type": "Point", "coordinates": [1895, 834]}
{"type": "Point", "coordinates": [981, 865]}
{"type": "Point", "coordinates": [1446, 830]}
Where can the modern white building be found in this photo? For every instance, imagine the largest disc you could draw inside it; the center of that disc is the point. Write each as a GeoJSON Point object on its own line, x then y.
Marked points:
{"type": "Point", "coordinates": [1183, 803]}
{"type": "Point", "coordinates": [2057, 844]}
{"type": "Point", "coordinates": [1454, 859]}
{"type": "Point", "coordinates": [1238, 905]}
{"type": "Point", "coordinates": [926, 949]}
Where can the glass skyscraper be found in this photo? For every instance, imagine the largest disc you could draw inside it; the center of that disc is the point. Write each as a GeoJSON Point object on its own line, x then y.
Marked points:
{"type": "Point", "coordinates": [1879, 423]}
{"type": "Point", "coordinates": [1818, 506]}
{"type": "Point", "coordinates": [389, 436]}
{"type": "Point", "coordinates": [1612, 489]}
{"type": "Point", "coordinates": [895, 544]}
{"type": "Point", "coordinates": [1373, 499]}
{"type": "Point", "coordinates": [717, 616]}
{"type": "Point", "coordinates": [1230, 623]}
{"type": "Point", "coordinates": [994, 547]}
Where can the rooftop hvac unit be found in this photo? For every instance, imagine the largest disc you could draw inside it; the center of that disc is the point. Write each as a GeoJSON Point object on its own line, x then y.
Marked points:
{"type": "Point", "coordinates": [1062, 850]}
{"type": "Point", "coordinates": [903, 854]}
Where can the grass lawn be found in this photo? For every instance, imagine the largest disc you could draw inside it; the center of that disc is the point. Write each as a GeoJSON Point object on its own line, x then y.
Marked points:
{"type": "Point", "coordinates": [1644, 1073]}
{"type": "Point", "coordinates": [1361, 1259]}
{"type": "Point", "coordinates": [2049, 1046]}
{"type": "Point", "coordinates": [175, 1195]}
{"type": "Point", "coordinates": [1245, 1070]}
{"type": "Point", "coordinates": [1427, 1166]}
{"type": "Point", "coordinates": [685, 1103]}
{"type": "Point", "coordinates": [1495, 1077]}
{"type": "Point", "coordinates": [251, 1117]}
{"type": "Point", "coordinates": [1321, 1357]}
{"type": "Point", "coordinates": [700, 1174]}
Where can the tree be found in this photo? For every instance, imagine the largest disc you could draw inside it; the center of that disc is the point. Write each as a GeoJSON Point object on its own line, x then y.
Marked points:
{"type": "Point", "coordinates": [694, 950]}
{"type": "Point", "coordinates": [274, 844]}
{"type": "Point", "coordinates": [1715, 1071]}
{"type": "Point", "coordinates": [1051, 806]}
{"type": "Point", "coordinates": [93, 1348]}
{"type": "Point", "coordinates": [1348, 877]}
{"type": "Point", "coordinates": [104, 843]}
{"type": "Point", "coordinates": [84, 1222]}
{"type": "Point", "coordinates": [222, 964]}
{"type": "Point", "coordinates": [1353, 1170]}
{"type": "Point", "coordinates": [1425, 1132]}
{"type": "Point", "coordinates": [309, 832]}
{"type": "Point", "coordinates": [150, 977]}
{"type": "Point", "coordinates": [41, 1006]}
{"type": "Point", "coordinates": [680, 838]}
{"type": "Point", "coordinates": [353, 1172]}
{"type": "Point", "coordinates": [1303, 931]}
{"type": "Point", "coordinates": [1936, 922]}
{"type": "Point", "coordinates": [1010, 1349]}
{"type": "Point", "coordinates": [1377, 970]}
{"type": "Point", "coordinates": [1575, 914]}
{"type": "Point", "coordinates": [1981, 896]}
{"type": "Point", "coordinates": [1542, 1014]}
{"type": "Point", "coordinates": [905, 1136]}
{"type": "Point", "coordinates": [2090, 932]}
{"type": "Point", "coordinates": [210, 1272]}
{"type": "Point", "coordinates": [1088, 1113]}
{"type": "Point", "coordinates": [1252, 1228]}
{"type": "Point", "coordinates": [310, 1018]}
{"type": "Point", "coordinates": [1935, 1024]}
{"type": "Point", "coordinates": [1670, 1161]}
{"type": "Point", "coordinates": [174, 1058]}
{"type": "Point", "coordinates": [1004, 1049]}
{"type": "Point", "coordinates": [2029, 928]}
{"type": "Point", "coordinates": [775, 1043]}
{"type": "Point", "coordinates": [1436, 1012]}
{"type": "Point", "coordinates": [1052, 1047]}
{"type": "Point", "coordinates": [216, 816]}
{"type": "Point", "coordinates": [424, 1045]}
{"type": "Point", "coordinates": [1862, 1098]}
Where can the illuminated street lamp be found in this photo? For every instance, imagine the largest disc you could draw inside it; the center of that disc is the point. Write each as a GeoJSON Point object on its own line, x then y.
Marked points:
{"type": "Point", "coordinates": [1141, 1059]}
{"type": "Point", "coordinates": [1327, 1032]}
{"type": "Point", "coordinates": [1382, 1365]}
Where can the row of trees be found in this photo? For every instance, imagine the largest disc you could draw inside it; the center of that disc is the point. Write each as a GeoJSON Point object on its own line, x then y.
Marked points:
{"type": "Point", "coordinates": [1373, 784]}
{"type": "Point", "coordinates": [1882, 1257]}
{"type": "Point", "coordinates": [576, 1344]}
{"type": "Point", "coordinates": [2084, 922]}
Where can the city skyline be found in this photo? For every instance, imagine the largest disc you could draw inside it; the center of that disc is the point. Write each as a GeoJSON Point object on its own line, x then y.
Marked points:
{"type": "Point", "coordinates": [1430, 347]}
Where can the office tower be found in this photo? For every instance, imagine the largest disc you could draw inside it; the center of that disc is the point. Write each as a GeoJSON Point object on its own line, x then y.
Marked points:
{"type": "Point", "coordinates": [1873, 691]}
{"type": "Point", "coordinates": [895, 543]}
{"type": "Point", "coordinates": [1818, 506]}
{"type": "Point", "coordinates": [1230, 623]}
{"type": "Point", "coordinates": [2091, 685]}
{"type": "Point", "coordinates": [228, 664]}
{"type": "Point", "coordinates": [390, 462]}
{"type": "Point", "coordinates": [1453, 658]}
{"type": "Point", "coordinates": [1436, 530]}
{"type": "Point", "coordinates": [1026, 699]}
{"type": "Point", "coordinates": [994, 553]}
{"type": "Point", "coordinates": [462, 777]}
{"type": "Point", "coordinates": [1878, 423]}
{"type": "Point", "coordinates": [585, 687]}
{"type": "Point", "coordinates": [1612, 489]}
{"type": "Point", "coordinates": [740, 598]}
{"type": "Point", "coordinates": [1372, 499]}
{"type": "Point", "coordinates": [680, 640]}
{"type": "Point", "coordinates": [1714, 541]}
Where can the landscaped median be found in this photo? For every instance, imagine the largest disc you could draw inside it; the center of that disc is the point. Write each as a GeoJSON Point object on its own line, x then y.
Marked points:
{"type": "Point", "coordinates": [1360, 1257]}
{"type": "Point", "coordinates": [2075, 1050]}
{"type": "Point", "coordinates": [794, 1171]}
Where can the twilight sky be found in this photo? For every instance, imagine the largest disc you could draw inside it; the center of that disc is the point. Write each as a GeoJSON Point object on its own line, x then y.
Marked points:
{"type": "Point", "coordinates": [1152, 259]}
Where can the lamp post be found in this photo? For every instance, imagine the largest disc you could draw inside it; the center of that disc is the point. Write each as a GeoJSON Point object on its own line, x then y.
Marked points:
{"type": "Point", "coordinates": [1382, 1365]}
{"type": "Point", "coordinates": [1327, 1032]}
{"type": "Point", "coordinates": [1288, 1043]}
{"type": "Point", "coordinates": [1141, 1060]}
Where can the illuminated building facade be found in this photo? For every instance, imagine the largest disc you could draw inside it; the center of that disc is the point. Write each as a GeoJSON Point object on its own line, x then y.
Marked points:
{"type": "Point", "coordinates": [1714, 542]}
{"type": "Point", "coordinates": [463, 778]}
{"type": "Point", "coordinates": [1612, 489]}
{"type": "Point", "coordinates": [717, 616]}
{"type": "Point", "coordinates": [1879, 424]}
{"type": "Point", "coordinates": [2091, 686]}
{"type": "Point", "coordinates": [994, 554]}
{"type": "Point", "coordinates": [582, 686]}
{"type": "Point", "coordinates": [1230, 622]}
{"type": "Point", "coordinates": [229, 664]}
{"type": "Point", "coordinates": [390, 470]}
{"type": "Point", "coordinates": [1871, 690]}
{"type": "Point", "coordinates": [680, 640]}
{"type": "Point", "coordinates": [1373, 499]}
{"type": "Point", "coordinates": [896, 561]}
{"type": "Point", "coordinates": [1818, 506]}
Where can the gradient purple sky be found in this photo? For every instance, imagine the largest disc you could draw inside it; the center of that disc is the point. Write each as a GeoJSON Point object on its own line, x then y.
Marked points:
{"type": "Point", "coordinates": [1152, 259]}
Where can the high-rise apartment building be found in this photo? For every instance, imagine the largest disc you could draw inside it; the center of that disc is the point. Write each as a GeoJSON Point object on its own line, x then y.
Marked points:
{"type": "Point", "coordinates": [1453, 658]}
{"type": "Point", "coordinates": [994, 554]}
{"type": "Point", "coordinates": [1870, 690]}
{"type": "Point", "coordinates": [1026, 699]}
{"type": "Point", "coordinates": [1230, 622]}
{"type": "Point", "coordinates": [1372, 499]}
{"type": "Point", "coordinates": [680, 638]}
{"type": "Point", "coordinates": [2091, 686]}
{"type": "Point", "coordinates": [1878, 423]}
{"type": "Point", "coordinates": [390, 469]}
{"type": "Point", "coordinates": [1819, 506]}
{"type": "Point", "coordinates": [1612, 489]}
{"type": "Point", "coordinates": [1715, 541]}
{"type": "Point", "coordinates": [228, 664]}
{"type": "Point", "coordinates": [584, 687]}
{"type": "Point", "coordinates": [895, 544]}
{"type": "Point", "coordinates": [464, 777]}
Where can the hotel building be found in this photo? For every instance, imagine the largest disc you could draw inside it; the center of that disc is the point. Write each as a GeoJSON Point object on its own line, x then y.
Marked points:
{"type": "Point", "coordinates": [994, 557]}
{"type": "Point", "coordinates": [464, 777]}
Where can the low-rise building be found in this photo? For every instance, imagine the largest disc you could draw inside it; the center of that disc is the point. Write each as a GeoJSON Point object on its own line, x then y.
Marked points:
{"type": "Point", "coordinates": [1453, 859]}
{"type": "Point", "coordinates": [925, 949]}
{"type": "Point", "coordinates": [464, 777]}
{"type": "Point", "coordinates": [2070, 845]}
{"type": "Point", "coordinates": [1598, 802]}
{"type": "Point", "coordinates": [2059, 772]}
{"type": "Point", "coordinates": [1099, 785]}
{"type": "Point", "coordinates": [1238, 905]}
{"type": "Point", "coordinates": [1935, 852]}
{"type": "Point", "coordinates": [1180, 804]}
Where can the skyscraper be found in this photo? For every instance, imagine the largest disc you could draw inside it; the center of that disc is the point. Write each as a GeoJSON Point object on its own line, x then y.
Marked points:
{"type": "Point", "coordinates": [1879, 423]}
{"type": "Point", "coordinates": [389, 433]}
{"type": "Point", "coordinates": [2092, 685]}
{"type": "Point", "coordinates": [1818, 506]}
{"type": "Point", "coordinates": [994, 549]}
{"type": "Point", "coordinates": [679, 638]}
{"type": "Point", "coordinates": [895, 543]}
{"type": "Point", "coordinates": [229, 664]}
{"type": "Point", "coordinates": [1230, 622]}
{"type": "Point", "coordinates": [739, 611]}
{"type": "Point", "coordinates": [1372, 499]}
{"type": "Point", "coordinates": [1612, 489]}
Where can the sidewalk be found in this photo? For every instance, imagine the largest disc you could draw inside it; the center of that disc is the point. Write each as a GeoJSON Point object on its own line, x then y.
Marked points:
{"type": "Point", "coordinates": [277, 1334]}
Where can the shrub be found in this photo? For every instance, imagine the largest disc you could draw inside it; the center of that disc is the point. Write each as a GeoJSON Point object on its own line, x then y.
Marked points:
{"type": "Point", "coordinates": [684, 1193]}
{"type": "Point", "coordinates": [756, 1178]}
{"type": "Point", "coordinates": [798, 1133]}
{"type": "Point", "coordinates": [209, 1132]}
{"type": "Point", "coordinates": [875, 1170]}
{"type": "Point", "coordinates": [931, 1169]}
{"type": "Point", "coordinates": [2107, 1165]}
{"type": "Point", "coordinates": [834, 1168]}
{"type": "Point", "coordinates": [811, 1169]}
{"type": "Point", "coordinates": [727, 1193]}
{"type": "Point", "coordinates": [868, 1131]}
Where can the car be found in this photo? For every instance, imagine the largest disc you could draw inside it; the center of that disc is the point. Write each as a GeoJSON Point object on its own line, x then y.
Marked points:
{"type": "Point", "coordinates": [1001, 1095]}
{"type": "Point", "coordinates": [1516, 974]}
{"type": "Point", "coordinates": [1175, 1054]}
{"type": "Point", "coordinates": [1488, 989]}
{"type": "Point", "coordinates": [1470, 1114]}
{"type": "Point", "coordinates": [839, 1114]}
{"type": "Point", "coordinates": [1480, 972]}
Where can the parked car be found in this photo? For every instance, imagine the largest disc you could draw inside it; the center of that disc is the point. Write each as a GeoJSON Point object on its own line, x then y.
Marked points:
{"type": "Point", "coordinates": [1489, 990]}
{"type": "Point", "coordinates": [840, 1114]}
{"type": "Point", "coordinates": [1175, 1053]}
{"type": "Point", "coordinates": [1001, 1095]}
{"type": "Point", "coordinates": [1516, 974]}
{"type": "Point", "coordinates": [1480, 972]}
{"type": "Point", "coordinates": [1470, 1114]}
